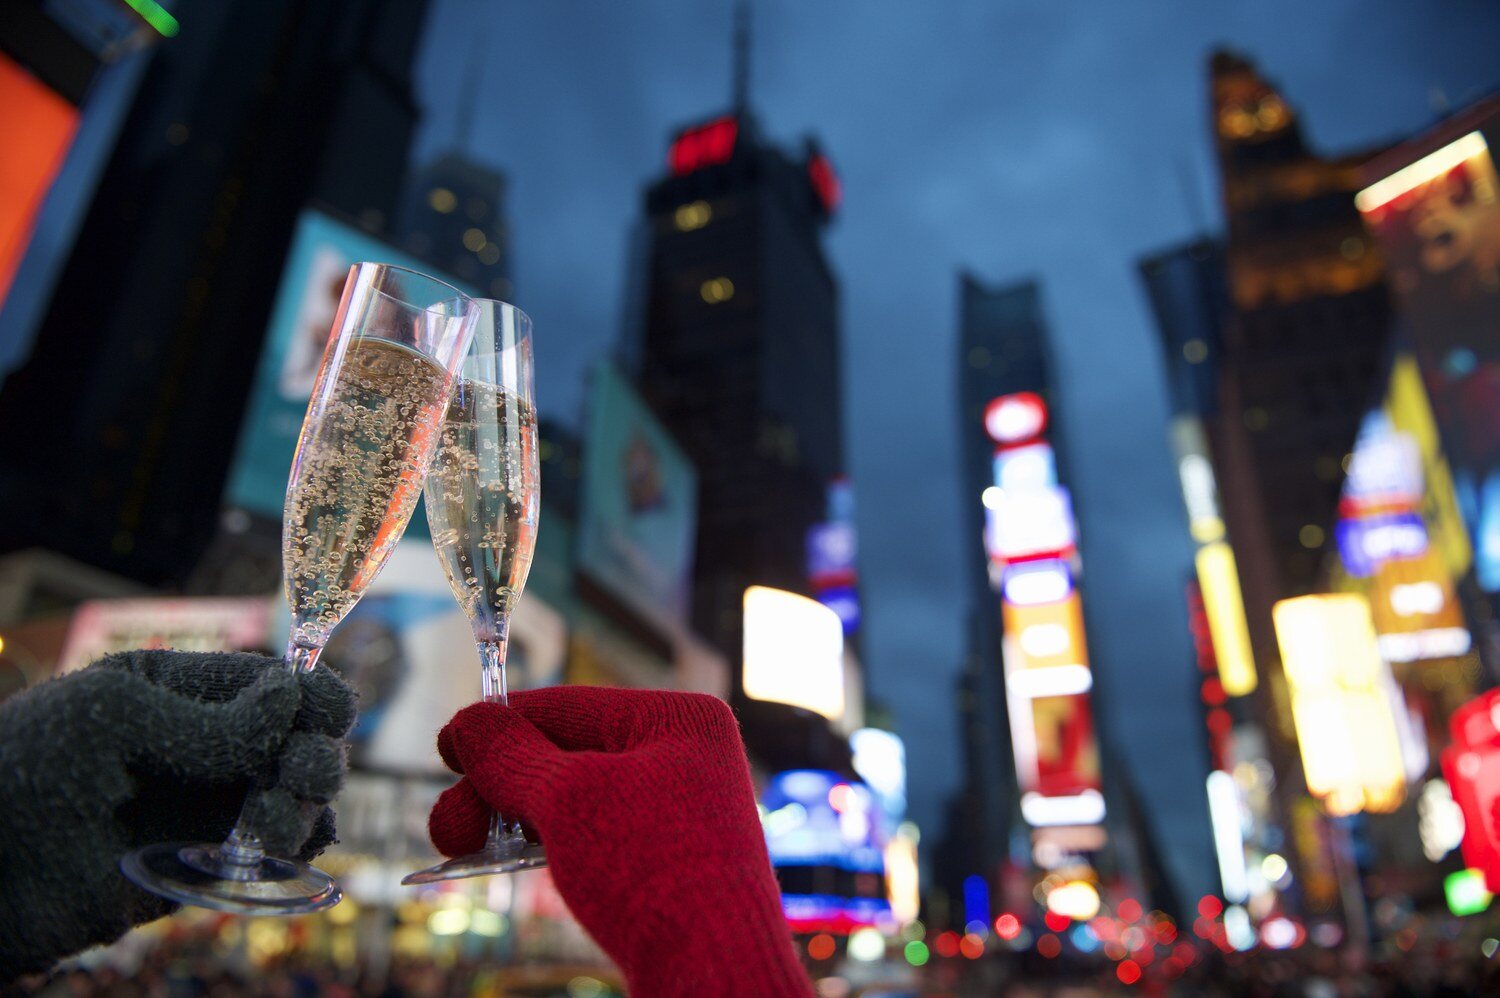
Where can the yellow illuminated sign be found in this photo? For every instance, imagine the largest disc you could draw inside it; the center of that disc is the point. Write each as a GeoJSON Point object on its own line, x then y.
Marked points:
{"type": "Point", "coordinates": [1224, 606]}
{"type": "Point", "coordinates": [1047, 634]}
{"type": "Point", "coordinates": [1410, 412]}
{"type": "Point", "coordinates": [1345, 721]}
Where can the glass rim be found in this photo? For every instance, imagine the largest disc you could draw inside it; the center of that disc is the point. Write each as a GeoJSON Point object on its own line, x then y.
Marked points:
{"type": "Point", "coordinates": [457, 294]}
{"type": "Point", "coordinates": [527, 320]}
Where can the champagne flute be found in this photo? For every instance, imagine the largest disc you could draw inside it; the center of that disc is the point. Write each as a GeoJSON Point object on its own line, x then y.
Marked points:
{"type": "Point", "coordinates": [483, 501]}
{"type": "Point", "coordinates": [385, 382]}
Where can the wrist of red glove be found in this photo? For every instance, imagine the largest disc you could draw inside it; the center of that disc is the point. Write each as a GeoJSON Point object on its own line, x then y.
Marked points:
{"type": "Point", "coordinates": [644, 803]}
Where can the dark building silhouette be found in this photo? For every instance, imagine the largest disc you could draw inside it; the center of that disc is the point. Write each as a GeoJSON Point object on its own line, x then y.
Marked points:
{"type": "Point", "coordinates": [453, 216]}
{"type": "Point", "coordinates": [1188, 290]}
{"type": "Point", "coordinates": [1002, 349]}
{"type": "Point", "coordinates": [133, 394]}
{"type": "Point", "coordinates": [738, 353]}
{"type": "Point", "coordinates": [1307, 329]}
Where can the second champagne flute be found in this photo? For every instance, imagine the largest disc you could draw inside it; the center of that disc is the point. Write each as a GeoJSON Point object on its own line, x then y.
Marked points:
{"type": "Point", "coordinates": [372, 422]}
{"type": "Point", "coordinates": [483, 500]}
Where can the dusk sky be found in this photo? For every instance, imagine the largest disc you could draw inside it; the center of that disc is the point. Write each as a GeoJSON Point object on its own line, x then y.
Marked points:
{"type": "Point", "coordinates": [1048, 140]}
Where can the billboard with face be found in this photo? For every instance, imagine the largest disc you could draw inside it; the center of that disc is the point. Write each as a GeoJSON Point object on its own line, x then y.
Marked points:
{"type": "Point", "coordinates": [1437, 220]}
{"type": "Point", "coordinates": [322, 251]}
{"type": "Point", "coordinates": [640, 505]}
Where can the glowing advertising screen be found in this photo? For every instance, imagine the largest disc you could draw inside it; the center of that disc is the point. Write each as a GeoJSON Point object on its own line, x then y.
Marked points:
{"type": "Point", "coordinates": [793, 652]}
{"type": "Point", "coordinates": [1437, 221]}
{"type": "Point", "coordinates": [102, 627]}
{"type": "Point", "coordinates": [1472, 767]}
{"type": "Point", "coordinates": [639, 506]}
{"type": "Point", "coordinates": [823, 836]}
{"type": "Point", "coordinates": [880, 760]}
{"type": "Point", "coordinates": [1344, 703]}
{"type": "Point", "coordinates": [321, 253]}
{"type": "Point", "coordinates": [39, 127]}
{"type": "Point", "coordinates": [832, 549]}
{"type": "Point", "coordinates": [1031, 538]}
{"type": "Point", "coordinates": [1021, 524]}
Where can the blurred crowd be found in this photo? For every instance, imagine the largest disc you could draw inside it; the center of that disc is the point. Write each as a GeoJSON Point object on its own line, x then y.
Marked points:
{"type": "Point", "coordinates": [190, 968]}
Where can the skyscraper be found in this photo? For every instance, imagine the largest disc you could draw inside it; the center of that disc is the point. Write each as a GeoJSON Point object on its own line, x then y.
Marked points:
{"type": "Point", "coordinates": [738, 352]}
{"type": "Point", "coordinates": [1028, 674]}
{"type": "Point", "coordinates": [134, 390]}
{"type": "Point", "coordinates": [453, 207]}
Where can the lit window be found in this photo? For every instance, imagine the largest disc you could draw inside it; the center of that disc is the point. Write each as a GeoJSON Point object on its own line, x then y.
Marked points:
{"type": "Point", "coordinates": [1311, 536]}
{"type": "Point", "coordinates": [441, 200]}
{"type": "Point", "coordinates": [1194, 351]}
{"type": "Point", "coordinates": [716, 290]}
{"type": "Point", "coordinates": [474, 240]}
{"type": "Point", "coordinates": [694, 215]}
{"type": "Point", "coordinates": [489, 254]}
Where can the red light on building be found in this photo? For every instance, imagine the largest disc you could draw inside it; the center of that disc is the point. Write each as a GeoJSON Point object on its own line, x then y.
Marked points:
{"type": "Point", "coordinates": [1049, 946]}
{"type": "Point", "coordinates": [704, 145]}
{"type": "Point", "coordinates": [825, 183]}
{"type": "Point", "coordinates": [1007, 926]}
{"type": "Point", "coordinates": [1015, 418]}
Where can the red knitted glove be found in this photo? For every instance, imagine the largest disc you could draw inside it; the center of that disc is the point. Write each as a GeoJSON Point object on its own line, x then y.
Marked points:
{"type": "Point", "coordinates": [644, 803]}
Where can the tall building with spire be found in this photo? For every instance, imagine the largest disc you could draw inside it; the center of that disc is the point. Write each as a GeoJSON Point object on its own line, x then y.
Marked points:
{"type": "Point", "coordinates": [736, 345]}
{"type": "Point", "coordinates": [453, 206]}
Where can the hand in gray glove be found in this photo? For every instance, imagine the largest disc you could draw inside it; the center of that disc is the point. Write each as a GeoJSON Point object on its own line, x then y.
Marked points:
{"type": "Point", "coordinates": [144, 747]}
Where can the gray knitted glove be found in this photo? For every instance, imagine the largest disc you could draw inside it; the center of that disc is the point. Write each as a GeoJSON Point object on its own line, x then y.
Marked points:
{"type": "Point", "coordinates": [144, 747]}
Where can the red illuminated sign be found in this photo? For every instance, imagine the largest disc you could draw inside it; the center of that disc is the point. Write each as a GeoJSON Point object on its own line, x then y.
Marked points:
{"type": "Point", "coordinates": [705, 145]}
{"type": "Point", "coordinates": [1472, 767]}
{"type": "Point", "coordinates": [1015, 418]}
{"type": "Point", "coordinates": [825, 183]}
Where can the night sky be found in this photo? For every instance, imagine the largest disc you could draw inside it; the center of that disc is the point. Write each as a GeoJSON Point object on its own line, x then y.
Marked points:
{"type": "Point", "coordinates": [1048, 140]}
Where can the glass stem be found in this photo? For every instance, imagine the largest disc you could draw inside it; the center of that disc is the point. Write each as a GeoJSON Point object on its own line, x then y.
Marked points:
{"type": "Point", "coordinates": [493, 685]}
{"type": "Point", "coordinates": [242, 851]}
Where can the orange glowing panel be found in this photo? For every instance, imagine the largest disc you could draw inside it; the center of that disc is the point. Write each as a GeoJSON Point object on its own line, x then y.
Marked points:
{"type": "Point", "coordinates": [1046, 634]}
{"type": "Point", "coordinates": [38, 126]}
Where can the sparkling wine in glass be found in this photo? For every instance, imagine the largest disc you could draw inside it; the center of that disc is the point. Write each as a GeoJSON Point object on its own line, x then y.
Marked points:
{"type": "Point", "coordinates": [372, 424]}
{"type": "Point", "coordinates": [483, 500]}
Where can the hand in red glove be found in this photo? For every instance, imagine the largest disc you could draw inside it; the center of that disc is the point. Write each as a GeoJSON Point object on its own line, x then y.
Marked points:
{"type": "Point", "coordinates": [644, 803]}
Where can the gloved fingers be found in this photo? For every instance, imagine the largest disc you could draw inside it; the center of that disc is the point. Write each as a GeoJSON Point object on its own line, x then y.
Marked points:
{"type": "Point", "coordinates": [282, 821]}
{"type": "Point", "coordinates": [508, 759]}
{"type": "Point", "coordinates": [324, 834]}
{"type": "Point", "coordinates": [597, 718]}
{"type": "Point", "coordinates": [311, 767]}
{"type": "Point", "coordinates": [212, 677]}
{"type": "Point", "coordinates": [588, 718]}
{"type": "Point", "coordinates": [460, 820]}
{"type": "Point", "coordinates": [204, 741]}
{"type": "Point", "coordinates": [328, 706]}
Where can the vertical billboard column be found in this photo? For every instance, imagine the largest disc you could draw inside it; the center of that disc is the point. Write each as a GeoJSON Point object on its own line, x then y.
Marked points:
{"type": "Point", "coordinates": [1437, 221]}
{"type": "Point", "coordinates": [1031, 538]}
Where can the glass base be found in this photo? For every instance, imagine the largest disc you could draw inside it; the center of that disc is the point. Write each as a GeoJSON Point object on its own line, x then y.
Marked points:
{"type": "Point", "coordinates": [504, 858]}
{"type": "Point", "coordinates": [195, 873]}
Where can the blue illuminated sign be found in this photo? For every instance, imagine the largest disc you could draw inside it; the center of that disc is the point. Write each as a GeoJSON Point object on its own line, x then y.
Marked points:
{"type": "Point", "coordinates": [1368, 542]}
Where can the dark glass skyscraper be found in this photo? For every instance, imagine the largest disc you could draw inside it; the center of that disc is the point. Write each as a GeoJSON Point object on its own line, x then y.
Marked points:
{"type": "Point", "coordinates": [738, 353]}
{"type": "Point", "coordinates": [133, 393]}
{"type": "Point", "coordinates": [453, 216]}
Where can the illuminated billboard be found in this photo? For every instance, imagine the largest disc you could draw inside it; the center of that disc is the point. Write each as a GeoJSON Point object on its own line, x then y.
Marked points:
{"type": "Point", "coordinates": [1223, 605]}
{"type": "Point", "coordinates": [39, 127]}
{"type": "Point", "coordinates": [1437, 221]}
{"type": "Point", "coordinates": [793, 651]}
{"type": "Point", "coordinates": [1344, 702]}
{"type": "Point", "coordinates": [823, 836]}
{"type": "Point", "coordinates": [321, 252]}
{"type": "Point", "coordinates": [639, 507]}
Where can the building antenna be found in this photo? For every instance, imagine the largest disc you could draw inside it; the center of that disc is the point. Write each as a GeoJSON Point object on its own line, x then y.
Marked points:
{"type": "Point", "coordinates": [468, 94]}
{"type": "Point", "coordinates": [741, 81]}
